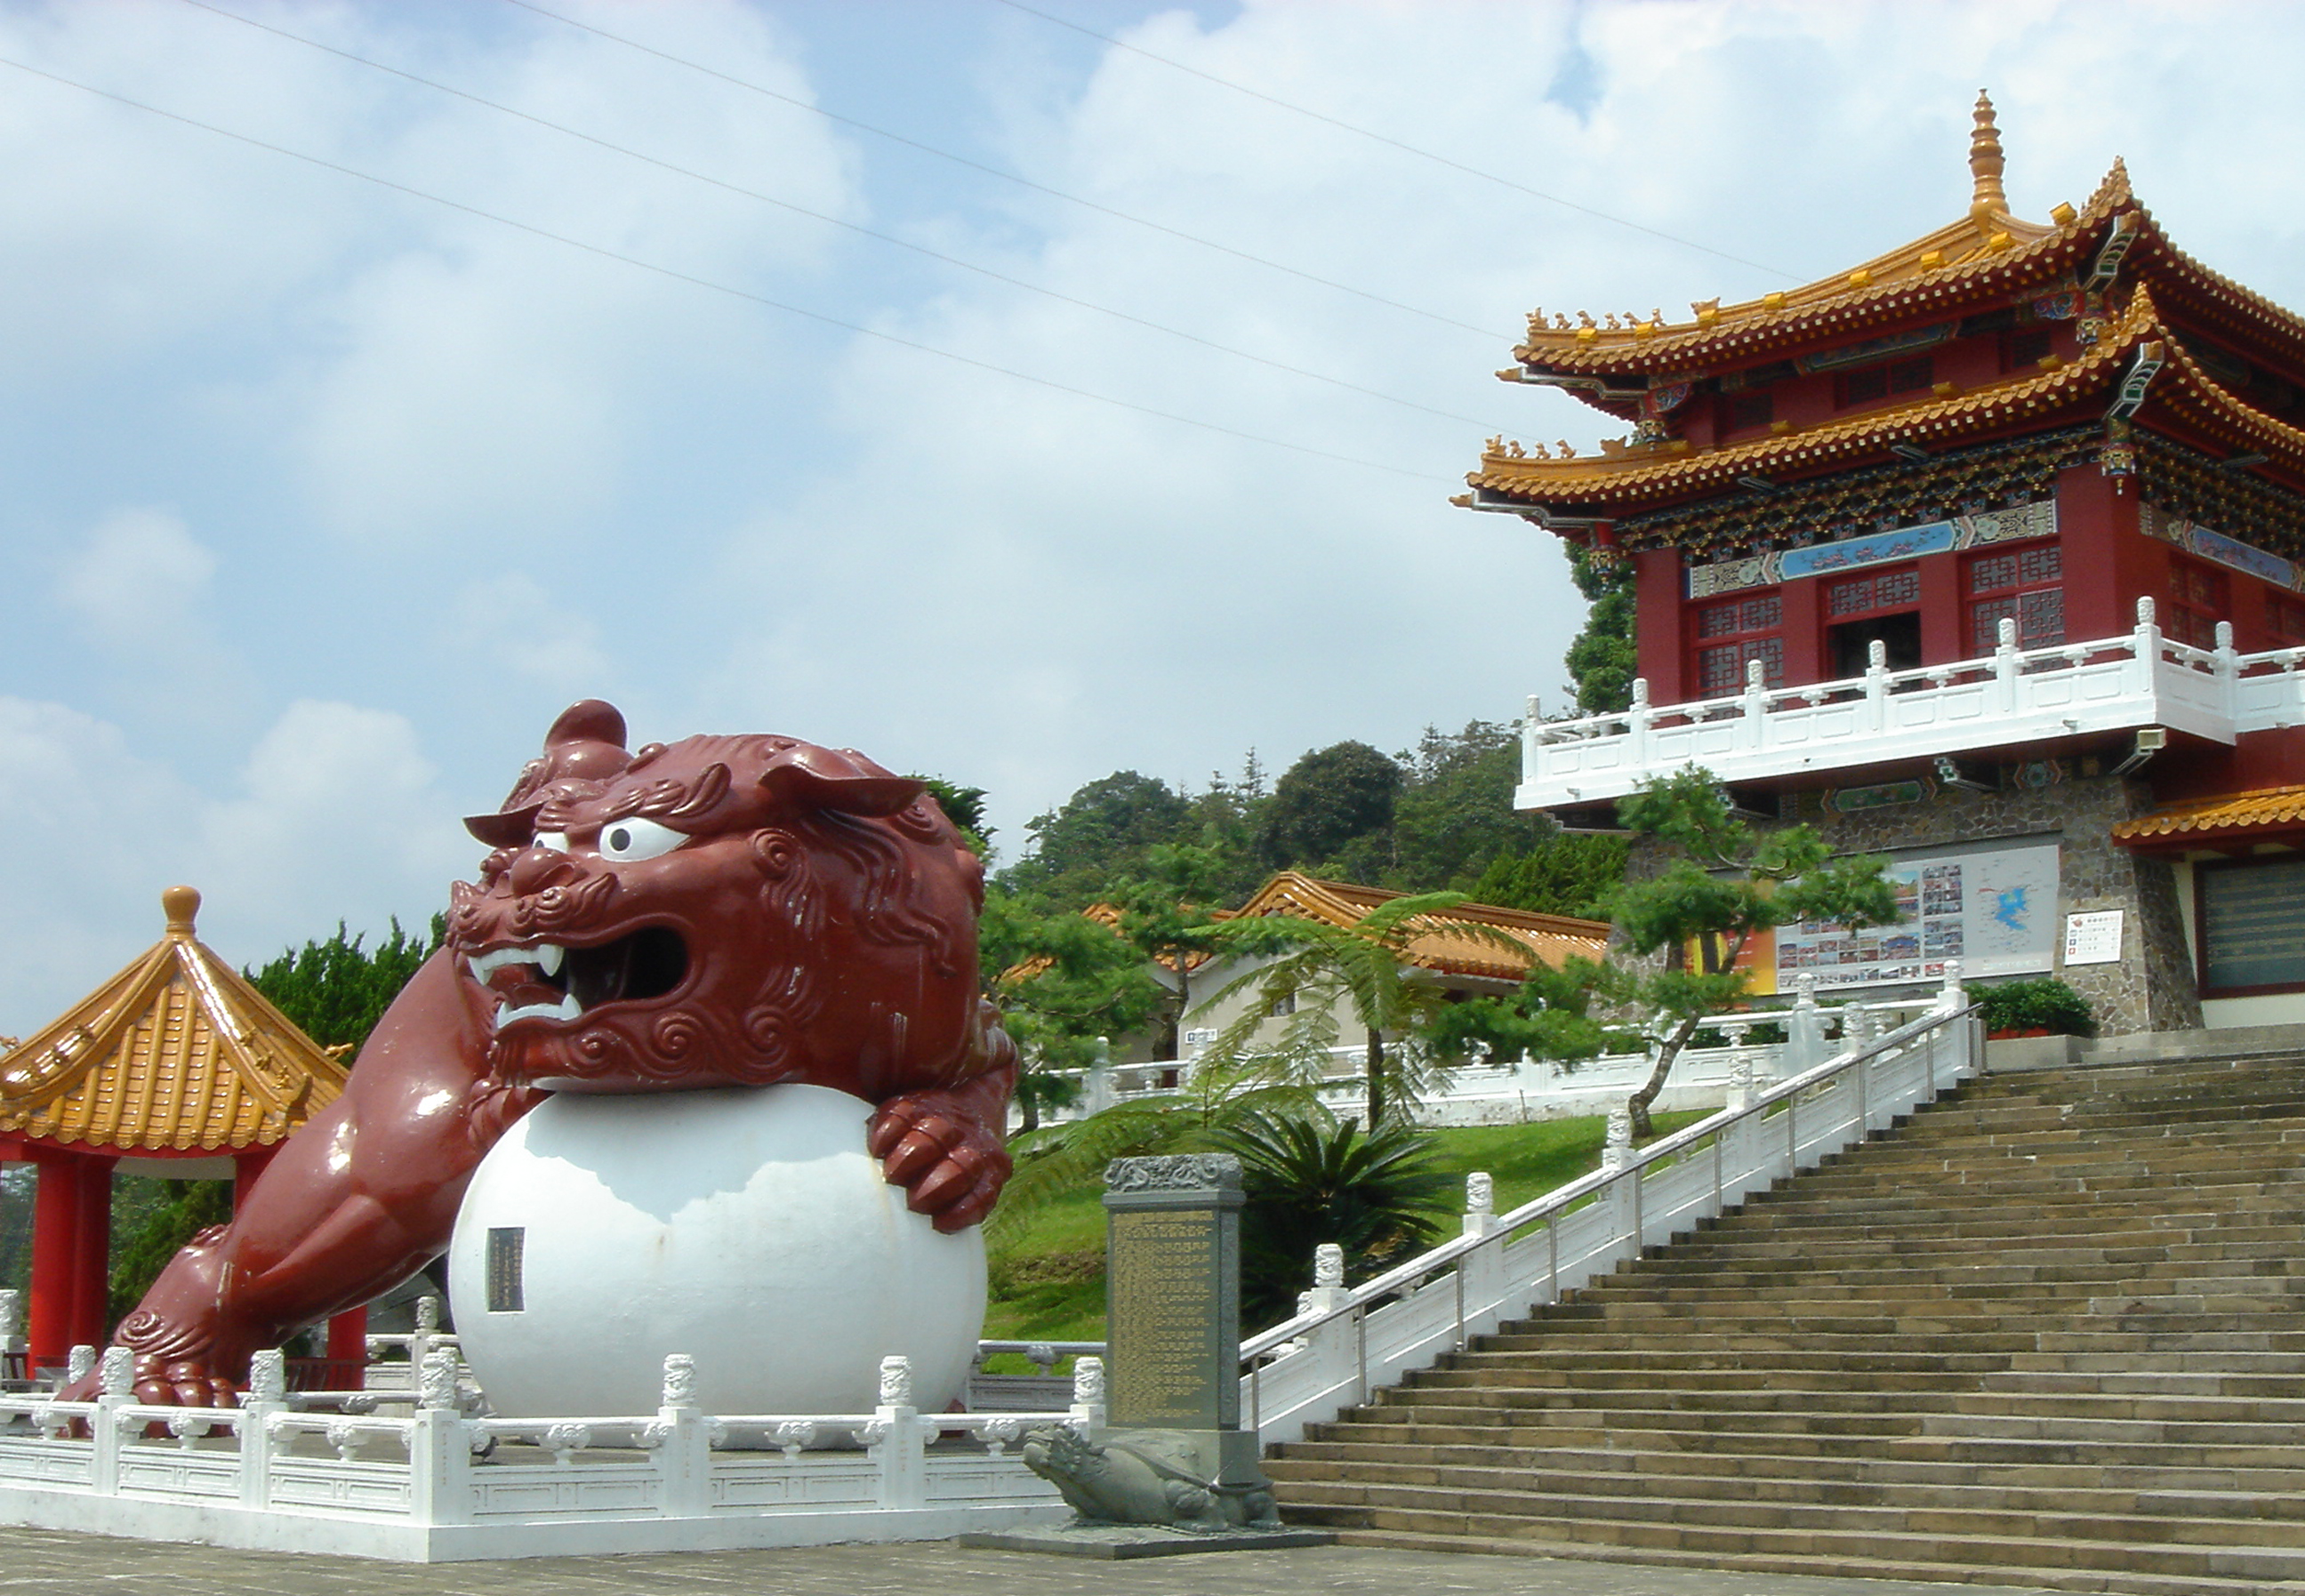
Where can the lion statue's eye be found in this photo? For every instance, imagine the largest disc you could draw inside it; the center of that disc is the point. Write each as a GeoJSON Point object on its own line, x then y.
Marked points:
{"type": "Point", "coordinates": [551, 842]}
{"type": "Point", "coordinates": [622, 841]}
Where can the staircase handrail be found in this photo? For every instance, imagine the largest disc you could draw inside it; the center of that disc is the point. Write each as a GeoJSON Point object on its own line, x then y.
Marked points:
{"type": "Point", "coordinates": [1338, 1304]}
{"type": "Point", "coordinates": [1401, 1277]}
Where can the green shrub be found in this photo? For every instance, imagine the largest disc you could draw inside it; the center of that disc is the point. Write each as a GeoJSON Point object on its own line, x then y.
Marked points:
{"type": "Point", "coordinates": [2044, 1003]}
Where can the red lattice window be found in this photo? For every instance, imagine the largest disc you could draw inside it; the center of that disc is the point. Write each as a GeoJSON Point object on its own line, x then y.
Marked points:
{"type": "Point", "coordinates": [1879, 382]}
{"type": "Point", "coordinates": [1733, 634]}
{"type": "Point", "coordinates": [1863, 595]}
{"type": "Point", "coordinates": [2025, 585]}
{"type": "Point", "coordinates": [2285, 617]}
{"type": "Point", "coordinates": [2199, 597]}
{"type": "Point", "coordinates": [1749, 410]}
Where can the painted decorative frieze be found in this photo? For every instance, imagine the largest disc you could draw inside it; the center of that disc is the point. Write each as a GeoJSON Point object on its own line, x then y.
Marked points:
{"type": "Point", "coordinates": [2036, 519]}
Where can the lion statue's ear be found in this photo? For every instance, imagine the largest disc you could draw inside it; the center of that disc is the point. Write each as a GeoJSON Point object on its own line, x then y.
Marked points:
{"type": "Point", "coordinates": [807, 778]}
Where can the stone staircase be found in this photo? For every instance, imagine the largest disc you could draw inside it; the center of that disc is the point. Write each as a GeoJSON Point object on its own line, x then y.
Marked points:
{"type": "Point", "coordinates": [2050, 1332]}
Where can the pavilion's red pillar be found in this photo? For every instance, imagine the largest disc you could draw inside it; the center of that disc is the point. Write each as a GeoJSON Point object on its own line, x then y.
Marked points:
{"type": "Point", "coordinates": [55, 1224]}
{"type": "Point", "coordinates": [92, 1253]}
{"type": "Point", "coordinates": [347, 1352]}
{"type": "Point", "coordinates": [246, 1167]}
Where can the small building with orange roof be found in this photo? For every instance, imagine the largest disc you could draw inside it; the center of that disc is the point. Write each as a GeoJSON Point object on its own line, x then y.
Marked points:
{"type": "Point", "coordinates": [1464, 962]}
{"type": "Point", "coordinates": [177, 1068]}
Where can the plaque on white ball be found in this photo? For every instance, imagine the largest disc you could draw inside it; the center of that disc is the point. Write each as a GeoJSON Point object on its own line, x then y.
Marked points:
{"type": "Point", "coordinates": [748, 1228]}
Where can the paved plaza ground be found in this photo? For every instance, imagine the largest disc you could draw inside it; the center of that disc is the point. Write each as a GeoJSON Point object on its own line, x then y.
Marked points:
{"type": "Point", "coordinates": [38, 1562]}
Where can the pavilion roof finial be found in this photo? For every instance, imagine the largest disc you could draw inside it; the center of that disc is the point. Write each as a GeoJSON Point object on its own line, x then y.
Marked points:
{"type": "Point", "coordinates": [1984, 163]}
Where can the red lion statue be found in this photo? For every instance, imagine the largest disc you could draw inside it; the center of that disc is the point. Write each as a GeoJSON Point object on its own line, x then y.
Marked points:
{"type": "Point", "coordinates": [717, 911]}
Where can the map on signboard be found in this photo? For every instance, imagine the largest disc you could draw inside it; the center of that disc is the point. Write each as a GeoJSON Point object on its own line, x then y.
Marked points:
{"type": "Point", "coordinates": [1993, 909]}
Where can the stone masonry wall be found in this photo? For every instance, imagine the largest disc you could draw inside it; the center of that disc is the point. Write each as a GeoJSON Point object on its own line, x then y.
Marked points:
{"type": "Point", "coordinates": [2152, 986]}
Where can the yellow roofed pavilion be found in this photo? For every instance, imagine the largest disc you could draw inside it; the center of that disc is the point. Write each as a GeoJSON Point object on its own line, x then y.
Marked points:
{"type": "Point", "coordinates": [178, 1053]}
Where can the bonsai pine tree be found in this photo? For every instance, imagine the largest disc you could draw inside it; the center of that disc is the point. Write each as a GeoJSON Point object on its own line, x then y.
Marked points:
{"type": "Point", "coordinates": [1729, 882]}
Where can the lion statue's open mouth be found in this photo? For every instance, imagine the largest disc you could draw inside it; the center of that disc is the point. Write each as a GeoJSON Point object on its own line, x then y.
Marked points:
{"type": "Point", "coordinates": [546, 981]}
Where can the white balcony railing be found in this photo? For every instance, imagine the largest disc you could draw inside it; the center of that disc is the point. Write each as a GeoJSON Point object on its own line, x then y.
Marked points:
{"type": "Point", "coordinates": [2014, 697]}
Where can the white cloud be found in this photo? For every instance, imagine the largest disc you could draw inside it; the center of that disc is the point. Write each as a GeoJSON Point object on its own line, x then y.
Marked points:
{"type": "Point", "coordinates": [140, 582]}
{"type": "Point", "coordinates": [335, 813]}
{"type": "Point", "coordinates": [509, 624]}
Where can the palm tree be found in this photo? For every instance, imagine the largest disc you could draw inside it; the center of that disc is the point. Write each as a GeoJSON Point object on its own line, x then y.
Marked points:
{"type": "Point", "coordinates": [1310, 1178]}
{"type": "Point", "coordinates": [1318, 968]}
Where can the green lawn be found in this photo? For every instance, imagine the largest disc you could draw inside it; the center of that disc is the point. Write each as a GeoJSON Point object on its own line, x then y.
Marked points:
{"type": "Point", "coordinates": [1047, 1280]}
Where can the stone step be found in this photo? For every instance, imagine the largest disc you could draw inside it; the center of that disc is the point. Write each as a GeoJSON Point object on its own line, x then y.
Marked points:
{"type": "Point", "coordinates": [1834, 1445]}
{"type": "Point", "coordinates": [1948, 1545]}
{"type": "Point", "coordinates": [1851, 1566]}
{"type": "Point", "coordinates": [1976, 1517]}
{"type": "Point", "coordinates": [1628, 1469]}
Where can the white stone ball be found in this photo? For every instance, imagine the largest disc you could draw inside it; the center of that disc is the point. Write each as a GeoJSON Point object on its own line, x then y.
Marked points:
{"type": "Point", "coordinates": [744, 1226]}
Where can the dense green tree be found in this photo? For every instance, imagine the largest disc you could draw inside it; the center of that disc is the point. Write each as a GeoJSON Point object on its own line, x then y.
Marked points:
{"type": "Point", "coordinates": [1329, 799]}
{"type": "Point", "coordinates": [1064, 982]}
{"type": "Point", "coordinates": [965, 808]}
{"type": "Point", "coordinates": [1454, 813]}
{"type": "Point", "coordinates": [1309, 1180]}
{"type": "Point", "coordinates": [1165, 915]}
{"type": "Point", "coordinates": [1603, 661]}
{"type": "Point", "coordinates": [1561, 874]}
{"type": "Point", "coordinates": [1549, 1016]}
{"type": "Point", "coordinates": [1727, 882]}
{"type": "Point", "coordinates": [335, 991]}
{"type": "Point", "coordinates": [1098, 836]}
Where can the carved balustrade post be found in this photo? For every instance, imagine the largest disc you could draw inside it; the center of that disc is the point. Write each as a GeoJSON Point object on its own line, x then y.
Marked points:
{"type": "Point", "coordinates": [1088, 1396]}
{"type": "Point", "coordinates": [1804, 1027]}
{"type": "Point", "coordinates": [440, 1444]}
{"type": "Point", "coordinates": [897, 1439]}
{"type": "Point", "coordinates": [2005, 666]}
{"type": "Point", "coordinates": [1636, 723]}
{"type": "Point", "coordinates": [116, 1388]}
{"type": "Point", "coordinates": [1757, 704]}
{"type": "Point", "coordinates": [2144, 650]}
{"type": "Point", "coordinates": [680, 1438]}
{"type": "Point", "coordinates": [1876, 685]}
{"type": "Point", "coordinates": [1481, 1271]}
{"type": "Point", "coordinates": [1528, 744]}
{"type": "Point", "coordinates": [267, 1395]}
{"type": "Point", "coordinates": [2228, 673]}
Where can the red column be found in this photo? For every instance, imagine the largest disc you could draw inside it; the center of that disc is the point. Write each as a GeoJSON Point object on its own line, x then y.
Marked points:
{"type": "Point", "coordinates": [56, 1223]}
{"type": "Point", "coordinates": [1804, 624]}
{"type": "Point", "coordinates": [2109, 563]}
{"type": "Point", "coordinates": [92, 1253]}
{"type": "Point", "coordinates": [1657, 624]}
{"type": "Point", "coordinates": [347, 1352]}
{"type": "Point", "coordinates": [246, 1167]}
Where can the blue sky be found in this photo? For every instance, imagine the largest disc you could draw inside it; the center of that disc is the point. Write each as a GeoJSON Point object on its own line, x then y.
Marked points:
{"type": "Point", "coordinates": [323, 498]}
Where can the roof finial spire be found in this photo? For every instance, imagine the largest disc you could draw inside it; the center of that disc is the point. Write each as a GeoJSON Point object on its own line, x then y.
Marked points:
{"type": "Point", "coordinates": [179, 903]}
{"type": "Point", "coordinates": [1984, 163]}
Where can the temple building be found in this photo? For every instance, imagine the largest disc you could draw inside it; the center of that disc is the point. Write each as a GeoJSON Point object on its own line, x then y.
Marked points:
{"type": "Point", "coordinates": [1987, 553]}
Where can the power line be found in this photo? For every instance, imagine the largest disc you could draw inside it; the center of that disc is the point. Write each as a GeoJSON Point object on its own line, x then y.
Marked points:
{"type": "Point", "coordinates": [1488, 334]}
{"type": "Point", "coordinates": [706, 282]}
{"type": "Point", "coordinates": [1453, 166]}
{"type": "Point", "coordinates": [856, 228]}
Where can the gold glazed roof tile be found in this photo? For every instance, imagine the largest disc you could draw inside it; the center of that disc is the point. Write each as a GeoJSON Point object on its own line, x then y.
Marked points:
{"type": "Point", "coordinates": [1643, 473]}
{"type": "Point", "coordinates": [1440, 945]}
{"type": "Point", "coordinates": [1971, 257]}
{"type": "Point", "coordinates": [1643, 470]}
{"type": "Point", "coordinates": [2230, 815]}
{"type": "Point", "coordinates": [177, 1052]}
